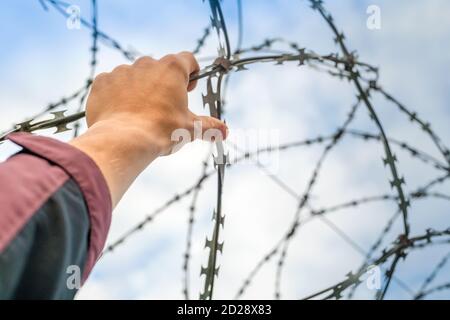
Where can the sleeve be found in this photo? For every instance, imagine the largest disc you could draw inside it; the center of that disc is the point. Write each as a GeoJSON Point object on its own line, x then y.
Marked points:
{"type": "Point", "coordinates": [55, 213]}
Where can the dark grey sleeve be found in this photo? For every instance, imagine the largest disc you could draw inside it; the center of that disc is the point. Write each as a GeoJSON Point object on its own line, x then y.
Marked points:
{"type": "Point", "coordinates": [46, 258]}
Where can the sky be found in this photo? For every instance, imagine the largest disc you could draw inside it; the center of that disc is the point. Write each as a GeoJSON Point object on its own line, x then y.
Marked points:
{"type": "Point", "coordinates": [42, 60]}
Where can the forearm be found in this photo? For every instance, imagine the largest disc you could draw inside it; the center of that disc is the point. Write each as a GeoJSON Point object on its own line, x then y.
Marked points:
{"type": "Point", "coordinates": [121, 156]}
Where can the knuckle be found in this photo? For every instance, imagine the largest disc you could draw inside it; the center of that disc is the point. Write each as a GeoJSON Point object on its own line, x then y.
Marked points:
{"type": "Point", "coordinates": [173, 64]}
{"type": "Point", "coordinates": [191, 57]}
{"type": "Point", "coordinates": [188, 54]}
{"type": "Point", "coordinates": [100, 78]}
{"type": "Point", "coordinates": [121, 68]}
{"type": "Point", "coordinates": [172, 60]}
{"type": "Point", "coordinates": [145, 60]}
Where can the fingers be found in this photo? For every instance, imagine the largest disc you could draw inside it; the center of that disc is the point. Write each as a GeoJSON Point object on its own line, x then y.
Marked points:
{"type": "Point", "coordinates": [186, 63]}
{"type": "Point", "coordinates": [183, 62]}
{"type": "Point", "coordinates": [193, 67]}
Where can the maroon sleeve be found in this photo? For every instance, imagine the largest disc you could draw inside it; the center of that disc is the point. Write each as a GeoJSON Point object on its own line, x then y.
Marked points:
{"type": "Point", "coordinates": [28, 179]}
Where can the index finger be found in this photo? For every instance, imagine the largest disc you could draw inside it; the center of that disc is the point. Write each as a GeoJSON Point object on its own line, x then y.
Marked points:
{"type": "Point", "coordinates": [190, 63]}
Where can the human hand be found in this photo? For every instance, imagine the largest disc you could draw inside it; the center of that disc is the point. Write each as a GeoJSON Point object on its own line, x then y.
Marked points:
{"type": "Point", "coordinates": [132, 113]}
{"type": "Point", "coordinates": [148, 101]}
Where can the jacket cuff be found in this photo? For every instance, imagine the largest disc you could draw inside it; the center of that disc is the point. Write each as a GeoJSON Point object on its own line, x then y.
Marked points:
{"type": "Point", "coordinates": [81, 168]}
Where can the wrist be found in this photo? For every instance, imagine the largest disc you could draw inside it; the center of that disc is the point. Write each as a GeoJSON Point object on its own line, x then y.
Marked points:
{"type": "Point", "coordinates": [129, 136]}
{"type": "Point", "coordinates": [121, 152]}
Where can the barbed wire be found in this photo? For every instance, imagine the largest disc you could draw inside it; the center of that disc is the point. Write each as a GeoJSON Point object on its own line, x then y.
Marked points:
{"type": "Point", "coordinates": [420, 193]}
{"type": "Point", "coordinates": [428, 292]}
{"type": "Point", "coordinates": [93, 63]}
{"type": "Point", "coordinates": [306, 195]}
{"type": "Point", "coordinates": [344, 66]}
{"type": "Point", "coordinates": [191, 220]}
{"type": "Point", "coordinates": [397, 250]}
{"type": "Point", "coordinates": [423, 288]}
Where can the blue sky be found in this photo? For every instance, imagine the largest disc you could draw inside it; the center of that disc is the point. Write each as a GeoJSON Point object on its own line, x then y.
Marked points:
{"type": "Point", "coordinates": [41, 60]}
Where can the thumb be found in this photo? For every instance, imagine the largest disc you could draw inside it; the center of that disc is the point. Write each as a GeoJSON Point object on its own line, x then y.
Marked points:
{"type": "Point", "coordinates": [212, 128]}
